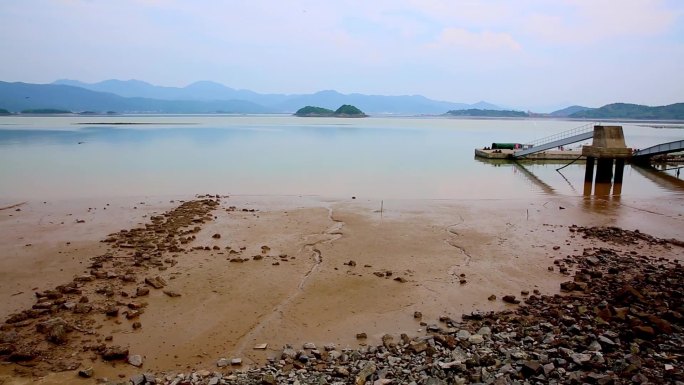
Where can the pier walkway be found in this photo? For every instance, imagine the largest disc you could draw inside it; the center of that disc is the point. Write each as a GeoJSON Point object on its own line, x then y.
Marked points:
{"type": "Point", "coordinates": [564, 138]}
{"type": "Point", "coordinates": [659, 149]}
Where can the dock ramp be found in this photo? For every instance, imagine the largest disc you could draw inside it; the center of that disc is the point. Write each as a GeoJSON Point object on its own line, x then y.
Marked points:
{"type": "Point", "coordinates": [659, 149]}
{"type": "Point", "coordinates": [564, 138]}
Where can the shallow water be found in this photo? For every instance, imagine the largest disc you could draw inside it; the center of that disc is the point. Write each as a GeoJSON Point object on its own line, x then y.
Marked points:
{"type": "Point", "coordinates": [375, 158]}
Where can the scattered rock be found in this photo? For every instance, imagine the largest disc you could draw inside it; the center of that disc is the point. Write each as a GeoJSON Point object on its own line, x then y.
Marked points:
{"type": "Point", "coordinates": [510, 299]}
{"type": "Point", "coordinates": [135, 360]}
{"type": "Point", "coordinates": [172, 293]}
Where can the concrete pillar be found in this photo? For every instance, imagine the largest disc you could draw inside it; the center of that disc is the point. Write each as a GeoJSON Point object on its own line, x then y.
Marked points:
{"type": "Point", "coordinates": [619, 169]}
{"type": "Point", "coordinates": [604, 170]}
{"type": "Point", "coordinates": [602, 189]}
{"type": "Point", "coordinates": [589, 172]}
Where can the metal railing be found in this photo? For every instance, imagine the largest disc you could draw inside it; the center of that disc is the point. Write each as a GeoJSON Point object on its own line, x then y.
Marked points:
{"type": "Point", "coordinates": [562, 135]}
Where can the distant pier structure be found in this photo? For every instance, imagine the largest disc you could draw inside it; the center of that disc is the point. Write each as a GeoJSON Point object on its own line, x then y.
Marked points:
{"type": "Point", "coordinates": [609, 152]}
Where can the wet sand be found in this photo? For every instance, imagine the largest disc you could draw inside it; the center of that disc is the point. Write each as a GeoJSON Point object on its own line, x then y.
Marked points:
{"type": "Point", "coordinates": [316, 280]}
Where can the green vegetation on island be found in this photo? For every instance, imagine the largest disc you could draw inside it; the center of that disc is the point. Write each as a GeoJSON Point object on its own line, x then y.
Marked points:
{"type": "Point", "coordinates": [345, 111]}
{"type": "Point", "coordinates": [475, 112]}
{"type": "Point", "coordinates": [4, 112]}
{"type": "Point", "coordinates": [314, 111]}
{"type": "Point", "coordinates": [45, 111]}
{"type": "Point", "coordinates": [633, 111]}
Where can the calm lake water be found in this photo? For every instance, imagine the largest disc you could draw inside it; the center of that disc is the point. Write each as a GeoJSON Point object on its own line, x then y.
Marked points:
{"type": "Point", "coordinates": [378, 158]}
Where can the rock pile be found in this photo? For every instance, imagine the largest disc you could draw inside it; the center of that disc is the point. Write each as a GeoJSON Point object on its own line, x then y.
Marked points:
{"type": "Point", "coordinates": [63, 323]}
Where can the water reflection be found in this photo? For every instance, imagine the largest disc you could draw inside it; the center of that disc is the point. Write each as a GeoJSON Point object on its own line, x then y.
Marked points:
{"type": "Point", "coordinates": [661, 178]}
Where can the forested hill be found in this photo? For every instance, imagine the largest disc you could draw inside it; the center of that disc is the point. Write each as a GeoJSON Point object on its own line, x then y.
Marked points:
{"type": "Point", "coordinates": [633, 111]}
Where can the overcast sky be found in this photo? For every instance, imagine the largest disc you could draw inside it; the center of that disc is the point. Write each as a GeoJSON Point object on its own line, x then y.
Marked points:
{"type": "Point", "coordinates": [535, 54]}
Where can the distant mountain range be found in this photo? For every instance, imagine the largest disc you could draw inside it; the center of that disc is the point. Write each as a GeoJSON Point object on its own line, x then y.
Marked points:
{"type": "Point", "coordinates": [206, 91]}
{"type": "Point", "coordinates": [135, 96]}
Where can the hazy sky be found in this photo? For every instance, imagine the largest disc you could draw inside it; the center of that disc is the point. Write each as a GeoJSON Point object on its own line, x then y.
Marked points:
{"type": "Point", "coordinates": [524, 53]}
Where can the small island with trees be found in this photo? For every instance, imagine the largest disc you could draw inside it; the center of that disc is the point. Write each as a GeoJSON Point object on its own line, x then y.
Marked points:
{"type": "Point", "coordinates": [345, 111]}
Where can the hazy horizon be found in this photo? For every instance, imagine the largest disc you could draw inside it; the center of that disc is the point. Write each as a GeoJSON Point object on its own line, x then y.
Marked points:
{"type": "Point", "coordinates": [530, 55]}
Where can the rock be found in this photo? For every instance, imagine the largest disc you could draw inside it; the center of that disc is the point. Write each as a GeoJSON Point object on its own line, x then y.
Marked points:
{"type": "Point", "coordinates": [115, 353]}
{"type": "Point", "coordinates": [136, 325]}
{"type": "Point", "coordinates": [418, 346]}
{"type": "Point", "coordinates": [86, 373]}
{"type": "Point", "coordinates": [156, 282]}
{"type": "Point", "coordinates": [510, 299]}
{"type": "Point", "coordinates": [236, 361]}
{"type": "Point", "coordinates": [268, 379]}
{"type": "Point", "coordinates": [463, 335]}
{"type": "Point", "coordinates": [491, 297]}
{"type": "Point", "coordinates": [82, 308]}
{"type": "Point", "coordinates": [417, 315]}
{"type": "Point", "coordinates": [216, 236]}
{"type": "Point", "coordinates": [260, 346]}
{"type": "Point", "coordinates": [361, 336]}
{"type": "Point", "coordinates": [366, 372]}
{"type": "Point", "coordinates": [172, 294]}
{"type": "Point", "coordinates": [138, 379]}
{"type": "Point", "coordinates": [484, 331]}
{"type": "Point", "coordinates": [387, 341]}
{"type": "Point", "coordinates": [401, 279]}
{"type": "Point", "coordinates": [531, 368]}
{"type": "Point", "coordinates": [642, 331]}
{"type": "Point", "coordinates": [476, 339]}
{"type": "Point", "coordinates": [580, 358]}
{"type": "Point", "coordinates": [142, 291]}
{"type": "Point", "coordinates": [57, 334]}
{"type": "Point", "coordinates": [309, 345]}
{"type": "Point", "coordinates": [222, 362]}
{"type": "Point", "coordinates": [568, 286]}
{"type": "Point", "coordinates": [111, 310]}
{"type": "Point", "coordinates": [341, 371]}
{"type": "Point", "coordinates": [135, 360]}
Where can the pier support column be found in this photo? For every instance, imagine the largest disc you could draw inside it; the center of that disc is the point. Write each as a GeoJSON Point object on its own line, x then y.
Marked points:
{"type": "Point", "coordinates": [589, 172]}
{"type": "Point", "coordinates": [619, 169]}
{"type": "Point", "coordinates": [604, 170]}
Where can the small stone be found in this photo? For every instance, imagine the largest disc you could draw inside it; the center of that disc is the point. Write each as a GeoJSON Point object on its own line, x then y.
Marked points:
{"type": "Point", "coordinates": [87, 372]}
{"type": "Point", "coordinates": [222, 362]}
{"type": "Point", "coordinates": [417, 315]}
{"type": "Point", "coordinates": [361, 336]}
{"type": "Point", "coordinates": [530, 368]}
{"type": "Point", "coordinates": [491, 297]}
{"type": "Point", "coordinates": [236, 361]}
{"type": "Point", "coordinates": [135, 360]}
{"type": "Point", "coordinates": [136, 325]}
{"type": "Point", "coordinates": [463, 335]}
{"type": "Point", "coordinates": [309, 346]}
{"type": "Point", "coordinates": [172, 293]}
{"type": "Point", "coordinates": [156, 282]}
{"type": "Point", "coordinates": [476, 339]}
{"type": "Point", "coordinates": [260, 346]}
{"type": "Point", "coordinates": [216, 236]}
{"type": "Point", "coordinates": [268, 379]}
{"type": "Point", "coordinates": [366, 372]}
{"type": "Point", "coordinates": [510, 299]}
{"type": "Point", "coordinates": [115, 353]}
{"type": "Point", "coordinates": [142, 291]}
{"type": "Point", "coordinates": [401, 279]}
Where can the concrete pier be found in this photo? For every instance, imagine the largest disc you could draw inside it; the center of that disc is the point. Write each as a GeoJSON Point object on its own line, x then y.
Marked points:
{"type": "Point", "coordinates": [608, 151]}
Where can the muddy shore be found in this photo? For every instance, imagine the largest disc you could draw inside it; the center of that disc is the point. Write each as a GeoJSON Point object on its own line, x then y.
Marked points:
{"type": "Point", "coordinates": [206, 278]}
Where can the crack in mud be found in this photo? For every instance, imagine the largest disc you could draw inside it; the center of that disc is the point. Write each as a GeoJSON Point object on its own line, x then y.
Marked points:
{"type": "Point", "coordinates": [450, 242]}
{"type": "Point", "coordinates": [333, 233]}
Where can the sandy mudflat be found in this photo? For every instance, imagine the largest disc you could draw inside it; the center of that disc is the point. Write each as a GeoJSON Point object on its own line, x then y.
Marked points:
{"type": "Point", "coordinates": [317, 277]}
